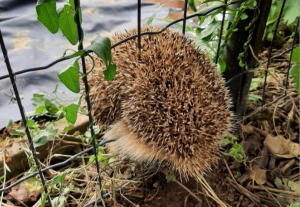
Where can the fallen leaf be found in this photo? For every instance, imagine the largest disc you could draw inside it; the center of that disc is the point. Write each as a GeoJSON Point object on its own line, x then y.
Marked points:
{"type": "Point", "coordinates": [282, 184]}
{"type": "Point", "coordinates": [248, 129]}
{"type": "Point", "coordinates": [259, 176]}
{"type": "Point", "coordinates": [281, 147]}
{"type": "Point", "coordinates": [294, 186]}
{"type": "Point", "coordinates": [28, 191]}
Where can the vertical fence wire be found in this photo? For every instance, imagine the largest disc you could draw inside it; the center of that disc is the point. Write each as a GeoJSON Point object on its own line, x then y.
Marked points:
{"type": "Point", "coordinates": [86, 87]}
{"type": "Point", "coordinates": [291, 54]}
{"type": "Point", "coordinates": [184, 16]}
{"type": "Point", "coordinates": [139, 22]}
{"type": "Point", "coordinates": [24, 118]}
{"type": "Point", "coordinates": [270, 51]}
{"type": "Point", "coordinates": [139, 28]}
{"type": "Point", "coordinates": [221, 32]}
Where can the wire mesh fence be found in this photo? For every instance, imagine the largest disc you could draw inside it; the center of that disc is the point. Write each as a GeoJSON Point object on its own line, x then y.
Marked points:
{"type": "Point", "coordinates": [238, 77]}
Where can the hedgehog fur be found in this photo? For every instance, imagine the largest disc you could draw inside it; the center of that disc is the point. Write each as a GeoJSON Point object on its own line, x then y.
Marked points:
{"type": "Point", "coordinates": [170, 107]}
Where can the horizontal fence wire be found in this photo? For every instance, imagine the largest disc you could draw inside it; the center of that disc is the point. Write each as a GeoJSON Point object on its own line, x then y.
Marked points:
{"type": "Point", "coordinates": [125, 40]}
{"type": "Point", "coordinates": [61, 164]}
{"type": "Point", "coordinates": [12, 75]}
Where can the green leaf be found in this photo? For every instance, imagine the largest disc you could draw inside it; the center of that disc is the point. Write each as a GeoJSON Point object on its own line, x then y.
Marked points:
{"type": "Point", "coordinates": [208, 10]}
{"type": "Point", "coordinates": [9, 124]}
{"type": "Point", "coordinates": [30, 123]}
{"type": "Point", "coordinates": [192, 5]}
{"type": "Point", "coordinates": [150, 20]}
{"type": "Point", "coordinates": [71, 2]}
{"type": "Point", "coordinates": [171, 178]}
{"type": "Point", "coordinates": [38, 100]}
{"type": "Point", "coordinates": [68, 25]}
{"type": "Point", "coordinates": [101, 150]}
{"type": "Point", "coordinates": [294, 205]}
{"type": "Point", "coordinates": [244, 16]}
{"type": "Point", "coordinates": [71, 113]}
{"type": "Point", "coordinates": [221, 65]}
{"type": "Point", "coordinates": [209, 29]}
{"type": "Point", "coordinates": [234, 138]}
{"type": "Point", "coordinates": [68, 128]}
{"type": "Point", "coordinates": [42, 138]}
{"type": "Point", "coordinates": [51, 108]}
{"type": "Point", "coordinates": [110, 72]}
{"type": "Point", "coordinates": [44, 197]}
{"type": "Point", "coordinates": [253, 97]}
{"type": "Point", "coordinates": [58, 179]}
{"type": "Point", "coordinates": [70, 77]}
{"type": "Point", "coordinates": [250, 4]}
{"type": "Point", "coordinates": [40, 109]}
{"type": "Point", "coordinates": [295, 57]}
{"type": "Point", "coordinates": [55, 89]}
{"type": "Point", "coordinates": [202, 19]}
{"type": "Point", "coordinates": [178, 25]}
{"type": "Point", "coordinates": [226, 142]}
{"type": "Point", "coordinates": [237, 152]}
{"type": "Point", "coordinates": [290, 11]}
{"type": "Point", "coordinates": [294, 72]}
{"type": "Point", "coordinates": [76, 54]}
{"type": "Point", "coordinates": [255, 83]}
{"type": "Point", "coordinates": [18, 132]}
{"type": "Point", "coordinates": [101, 46]}
{"type": "Point", "coordinates": [207, 1]}
{"type": "Point", "coordinates": [46, 14]}
{"type": "Point", "coordinates": [105, 163]}
{"type": "Point", "coordinates": [59, 201]}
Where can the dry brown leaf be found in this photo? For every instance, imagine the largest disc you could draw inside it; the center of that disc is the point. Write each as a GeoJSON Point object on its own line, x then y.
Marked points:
{"type": "Point", "coordinates": [259, 176]}
{"type": "Point", "coordinates": [248, 129]}
{"type": "Point", "coordinates": [281, 147]}
{"type": "Point", "coordinates": [27, 192]}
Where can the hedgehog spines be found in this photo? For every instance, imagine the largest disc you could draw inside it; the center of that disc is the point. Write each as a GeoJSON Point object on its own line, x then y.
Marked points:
{"type": "Point", "coordinates": [170, 107]}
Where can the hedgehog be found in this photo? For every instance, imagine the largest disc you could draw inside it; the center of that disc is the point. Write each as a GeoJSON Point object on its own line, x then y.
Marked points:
{"type": "Point", "coordinates": [171, 106]}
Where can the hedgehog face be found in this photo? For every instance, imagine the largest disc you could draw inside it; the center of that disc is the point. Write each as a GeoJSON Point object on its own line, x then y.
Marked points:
{"type": "Point", "coordinates": [171, 106]}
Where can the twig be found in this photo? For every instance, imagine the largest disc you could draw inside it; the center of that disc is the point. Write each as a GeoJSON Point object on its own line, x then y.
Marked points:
{"type": "Point", "coordinates": [185, 200]}
{"type": "Point", "coordinates": [255, 199]}
{"type": "Point", "coordinates": [190, 192]}
{"type": "Point", "coordinates": [253, 54]}
{"type": "Point", "coordinates": [205, 195]}
{"type": "Point", "coordinates": [264, 107]}
{"type": "Point", "coordinates": [268, 201]}
{"type": "Point", "coordinates": [253, 187]}
{"type": "Point", "coordinates": [288, 165]}
{"type": "Point", "coordinates": [228, 169]}
{"type": "Point", "coordinates": [128, 200]}
{"type": "Point", "coordinates": [185, 188]}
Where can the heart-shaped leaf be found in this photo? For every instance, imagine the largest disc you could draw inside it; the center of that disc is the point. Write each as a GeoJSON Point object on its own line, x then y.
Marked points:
{"type": "Point", "coordinates": [68, 25]}
{"type": "Point", "coordinates": [101, 46]}
{"type": "Point", "coordinates": [47, 15]}
{"type": "Point", "coordinates": [71, 113]}
{"type": "Point", "coordinates": [70, 77]}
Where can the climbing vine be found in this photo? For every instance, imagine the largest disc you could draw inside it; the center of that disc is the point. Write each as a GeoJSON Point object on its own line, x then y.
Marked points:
{"type": "Point", "coordinates": [64, 19]}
